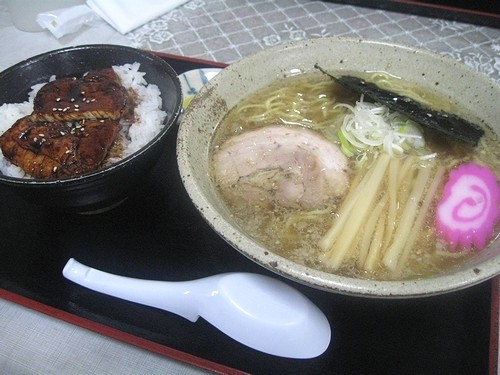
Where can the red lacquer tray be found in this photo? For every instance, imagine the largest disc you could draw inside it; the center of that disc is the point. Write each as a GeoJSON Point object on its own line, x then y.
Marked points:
{"type": "Point", "coordinates": [158, 234]}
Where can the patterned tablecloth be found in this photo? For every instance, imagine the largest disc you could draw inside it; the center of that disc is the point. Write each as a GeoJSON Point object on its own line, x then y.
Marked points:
{"type": "Point", "coordinates": [226, 31]}
{"type": "Point", "coordinates": [223, 31]}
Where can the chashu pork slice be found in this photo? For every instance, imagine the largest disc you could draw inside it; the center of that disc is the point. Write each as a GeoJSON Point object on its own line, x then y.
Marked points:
{"type": "Point", "coordinates": [98, 94]}
{"type": "Point", "coordinates": [58, 149]}
{"type": "Point", "coordinates": [278, 165]}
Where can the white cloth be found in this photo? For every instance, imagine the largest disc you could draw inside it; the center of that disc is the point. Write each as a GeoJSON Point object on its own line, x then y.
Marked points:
{"type": "Point", "coordinates": [127, 15]}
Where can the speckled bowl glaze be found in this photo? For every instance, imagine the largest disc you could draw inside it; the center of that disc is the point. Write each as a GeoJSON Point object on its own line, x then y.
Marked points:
{"type": "Point", "coordinates": [473, 92]}
{"type": "Point", "coordinates": [106, 187]}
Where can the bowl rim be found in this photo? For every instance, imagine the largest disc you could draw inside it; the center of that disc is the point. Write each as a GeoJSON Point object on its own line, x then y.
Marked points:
{"type": "Point", "coordinates": [419, 287]}
{"type": "Point", "coordinates": [118, 165]}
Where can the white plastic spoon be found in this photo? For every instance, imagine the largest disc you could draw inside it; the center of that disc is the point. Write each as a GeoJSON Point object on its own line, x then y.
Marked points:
{"type": "Point", "coordinates": [258, 311]}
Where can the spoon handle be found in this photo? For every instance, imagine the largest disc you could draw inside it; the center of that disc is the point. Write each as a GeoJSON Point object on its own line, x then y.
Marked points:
{"type": "Point", "coordinates": [174, 297]}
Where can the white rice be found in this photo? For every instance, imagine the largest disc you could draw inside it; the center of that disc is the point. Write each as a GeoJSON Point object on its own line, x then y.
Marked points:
{"type": "Point", "coordinates": [148, 114]}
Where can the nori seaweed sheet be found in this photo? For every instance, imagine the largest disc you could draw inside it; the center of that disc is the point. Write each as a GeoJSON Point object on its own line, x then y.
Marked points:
{"type": "Point", "coordinates": [448, 124]}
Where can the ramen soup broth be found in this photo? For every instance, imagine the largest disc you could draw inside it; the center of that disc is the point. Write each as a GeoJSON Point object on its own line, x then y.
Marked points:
{"type": "Point", "coordinates": [308, 100]}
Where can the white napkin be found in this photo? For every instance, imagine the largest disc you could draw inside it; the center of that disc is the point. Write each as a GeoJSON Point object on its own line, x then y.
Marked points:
{"type": "Point", "coordinates": [127, 15]}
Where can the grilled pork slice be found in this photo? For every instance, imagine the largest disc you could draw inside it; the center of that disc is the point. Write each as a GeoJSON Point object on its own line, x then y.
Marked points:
{"type": "Point", "coordinates": [287, 166]}
{"type": "Point", "coordinates": [58, 149]}
{"type": "Point", "coordinates": [98, 94]}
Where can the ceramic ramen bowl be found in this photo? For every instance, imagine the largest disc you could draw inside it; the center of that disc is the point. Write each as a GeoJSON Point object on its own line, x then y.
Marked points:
{"type": "Point", "coordinates": [105, 187]}
{"type": "Point", "coordinates": [473, 92]}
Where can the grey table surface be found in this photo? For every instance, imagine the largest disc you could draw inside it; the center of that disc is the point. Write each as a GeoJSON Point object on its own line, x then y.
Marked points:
{"type": "Point", "coordinates": [225, 31]}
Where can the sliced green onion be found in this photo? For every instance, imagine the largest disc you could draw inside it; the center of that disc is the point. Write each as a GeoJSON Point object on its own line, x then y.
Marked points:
{"type": "Point", "coordinates": [367, 125]}
{"type": "Point", "coordinates": [346, 146]}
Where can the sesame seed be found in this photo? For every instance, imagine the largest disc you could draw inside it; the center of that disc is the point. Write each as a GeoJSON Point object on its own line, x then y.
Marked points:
{"type": "Point", "coordinates": [54, 169]}
{"type": "Point", "coordinates": [54, 109]}
{"type": "Point", "coordinates": [77, 105]}
{"type": "Point", "coordinates": [76, 109]}
{"type": "Point", "coordinates": [92, 100]}
{"type": "Point", "coordinates": [41, 135]}
{"type": "Point", "coordinates": [72, 100]}
{"type": "Point", "coordinates": [58, 99]}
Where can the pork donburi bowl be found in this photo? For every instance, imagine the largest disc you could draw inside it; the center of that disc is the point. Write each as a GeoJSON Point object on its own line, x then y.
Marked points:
{"type": "Point", "coordinates": [80, 126]}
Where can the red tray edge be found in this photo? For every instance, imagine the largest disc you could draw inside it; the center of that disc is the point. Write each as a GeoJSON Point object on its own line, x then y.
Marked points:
{"type": "Point", "coordinates": [117, 334]}
{"type": "Point", "coordinates": [214, 64]}
{"type": "Point", "coordinates": [447, 8]}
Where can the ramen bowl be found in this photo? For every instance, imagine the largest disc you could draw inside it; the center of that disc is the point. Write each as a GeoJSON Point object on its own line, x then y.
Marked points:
{"type": "Point", "coordinates": [438, 74]}
{"type": "Point", "coordinates": [106, 187]}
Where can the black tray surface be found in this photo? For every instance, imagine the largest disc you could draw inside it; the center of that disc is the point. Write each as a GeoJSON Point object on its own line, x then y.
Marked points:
{"type": "Point", "coordinates": [158, 234]}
